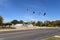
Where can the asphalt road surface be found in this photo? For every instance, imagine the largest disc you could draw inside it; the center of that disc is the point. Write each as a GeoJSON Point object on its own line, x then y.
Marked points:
{"type": "Point", "coordinates": [35, 34]}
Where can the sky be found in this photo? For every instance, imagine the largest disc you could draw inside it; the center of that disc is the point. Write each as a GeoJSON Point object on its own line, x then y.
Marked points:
{"type": "Point", "coordinates": [16, 10]}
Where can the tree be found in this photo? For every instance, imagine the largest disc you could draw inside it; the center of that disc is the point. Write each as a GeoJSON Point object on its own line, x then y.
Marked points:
{"type": "Point", "coordinates": [1, 20]}
{"type": "Point", "coordinates": [26, 22]}
{"type": "Point", "coordinates": [14, 22]}
{"type": "Point", "coordinates": [33, 22]}
{"type": "Point", "coordinates": [47, 23]}
{"type": "Point", "coordinates": [57, 22]}
{"type": "Point", "coordinates": [52, 23]}
{"type": "Point", "coordinates": [21, 21]}
{"type": "Point", "coordinates": [39, 23]}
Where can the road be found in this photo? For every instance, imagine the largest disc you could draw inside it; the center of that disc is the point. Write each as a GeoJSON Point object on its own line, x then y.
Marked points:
{"type": "Point", "coordinates": [35, 34]}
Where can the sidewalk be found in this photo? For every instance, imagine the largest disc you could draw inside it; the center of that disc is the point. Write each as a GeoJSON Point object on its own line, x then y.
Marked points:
{"type": "Point", "coordinates": [21, 28]}
{"type": "Point", "coordinates": [24, 28]}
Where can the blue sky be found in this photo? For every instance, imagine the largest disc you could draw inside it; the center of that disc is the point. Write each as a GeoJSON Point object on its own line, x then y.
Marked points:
{"type": "Point", "coordinates": [16, 9]}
